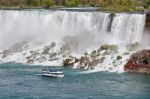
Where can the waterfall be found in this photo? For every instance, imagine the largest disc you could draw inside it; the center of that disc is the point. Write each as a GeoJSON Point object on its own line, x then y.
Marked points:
{"type": "Point", "coordinates": [128, 27]}
{"type": "Point", "coordinates": [88, 27]}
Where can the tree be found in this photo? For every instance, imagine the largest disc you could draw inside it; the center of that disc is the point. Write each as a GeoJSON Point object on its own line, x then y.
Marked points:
{"type": "Point", "coordinates": [72, 2]}
{"type": "Point", "coordinates": [31, 2]}
{"type": "Point", "coordinates": [48, 3]}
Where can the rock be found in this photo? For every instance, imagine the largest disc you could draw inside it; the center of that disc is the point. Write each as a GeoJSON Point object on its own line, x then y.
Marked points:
{"type": "Point", "coordinates": [31, 51]}
{"type": "Point", "coordinates": [52, 55]}
{"type": "Point", "coordinates": [119, 57]}
{"type": "Point", "coordinates": [28, 57]}
{"type": "Point", "coordinates": [76, 60]}
{"type": "Point", "coordinates": [126, 53]}
{"type": "Point", "coordinates": [133, 47]}
{"type": "Point", "coordinates": [64, 56]}
{"type": "Point", "coordinates": [102, 59]}
{"type": "Point", "coordinates": [54, 59]}
{"type": "Point", "coordinates": [95, 62]}
{"type": "Point", "coordinates": [91, 68]}
{"type": "Point", "coordinates": [86, 54]}
{"type": "Point", "coordinates": [6, 53]}
{"type": "Point", "coordinates": [53, 44]}
{"type": "Point", "coordinates": [68, 63]}
{"type": "Point", "coordinates": [139, 62]}
{"type": "Point", "coordinates": [46, 50]}
{"type": "Point", "coordinates": [30, 61]}
{"type": "Point", "coordinates": [109, 47]}
{"type": "Point", "coordinates": [95, 54]}
{"type": "Point", "coordinates": [82, 59]}
{"type": "Point", "coordinates": [106, 52]}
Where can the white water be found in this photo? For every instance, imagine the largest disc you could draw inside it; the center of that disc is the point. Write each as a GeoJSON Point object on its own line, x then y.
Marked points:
{"type": "Point", "coordinates": [43, 25]}
{"type": "Point", "coordinates": [88, 29]}
{"type": "Point", "coordinates": [128, 27]}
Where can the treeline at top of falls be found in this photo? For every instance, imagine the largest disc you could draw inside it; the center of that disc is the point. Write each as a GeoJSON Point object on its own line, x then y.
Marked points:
{"type": "Point", "coordinates": [109, 5]}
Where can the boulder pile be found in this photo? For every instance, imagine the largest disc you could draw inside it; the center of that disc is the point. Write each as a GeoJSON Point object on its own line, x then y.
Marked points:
{"type": "Point", "coordinates": [92, 59]}
{"type": "Point", "coordinates": [139, 62]}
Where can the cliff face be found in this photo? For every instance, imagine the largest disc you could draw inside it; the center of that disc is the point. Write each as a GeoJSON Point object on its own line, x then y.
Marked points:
{"type": "Point", "coordinates": [147, 20]}
{"type": "Point", "coordinates": [139, 62]}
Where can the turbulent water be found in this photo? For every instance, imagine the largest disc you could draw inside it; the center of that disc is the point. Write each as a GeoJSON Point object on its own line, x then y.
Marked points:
{"type": "Point", "coordinates": [19, 81]}
{"type": "Point", "coordinates": [90, 28]}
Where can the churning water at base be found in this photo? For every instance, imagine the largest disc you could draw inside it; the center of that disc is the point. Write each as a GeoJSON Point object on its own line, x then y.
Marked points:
{"type": "Point", "coordinates": [19, 81]}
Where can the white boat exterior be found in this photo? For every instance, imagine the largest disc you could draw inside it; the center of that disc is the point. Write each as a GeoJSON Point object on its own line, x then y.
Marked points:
{"type": "Point", "coordinates": [52, 75]}
{"type": "Point", "coordinates": [48, 72]}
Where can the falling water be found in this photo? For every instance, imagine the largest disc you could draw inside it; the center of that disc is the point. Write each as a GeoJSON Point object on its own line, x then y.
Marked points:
{"type": "Point", "coordinates": [83, 31]}
{"type": "Point", "coordinates": [128, 27]}
{"type": "Point", "coordinates": [89, 27]}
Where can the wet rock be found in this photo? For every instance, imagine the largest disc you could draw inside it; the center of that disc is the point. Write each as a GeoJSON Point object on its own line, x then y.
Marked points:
{"type": "Point", "coordinates": [119, 57]}
{"type": "Point", "coordinates": [68, 63]}
{"type": "Point", "coordinates": [111, 16]}
{"type": "Point", "coordinates": [106, 52]}
{"type": "Point", "coordinates": [102, 59]}
{"type": "Point", "coordinates": [5, 53]}
{"type": "Point", "coordinates": [95, 54]}
{"type": "Point", "coordinates": [86, 54]}
{"type": "Point", "coordinates": [31, 51]}
{"type": "Point", "coordinates": [139, 62]}
{"type": "Point", "coordinates": [109, 47]}
{"type": "Point", "coordinates": [76, 60]}
{"type": "Point", "coordinates": [95, 62]}
{"type": "Point", "coordinates": [53, 59]}
{"type": "Point", "coordinates": [53, 44]}
{"type": "Point", "coordinates": [82, 60]}
{"type": "Point", "coordinates": [133, 47]}
{"type": "Point", "coordinates": [30, 61]}
{"type": "Point", "coordinates": [46, 50]}
{"type": "Point", "coordinates": [52, 55]}
{"type": "Point", "coordinates": [126, 53]}
{"type": "Point", "coordinates": [91, 68]}
{"type": "Point", "coordinates": [28, 57]}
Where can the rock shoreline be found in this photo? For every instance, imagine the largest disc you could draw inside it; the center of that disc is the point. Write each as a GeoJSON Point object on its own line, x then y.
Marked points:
{"type": "Point", "coordinates": [139, 62]}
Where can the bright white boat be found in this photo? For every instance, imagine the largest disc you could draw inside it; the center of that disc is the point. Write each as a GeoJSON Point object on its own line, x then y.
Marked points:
{"type": "Point", "coordinates": [50, 71]}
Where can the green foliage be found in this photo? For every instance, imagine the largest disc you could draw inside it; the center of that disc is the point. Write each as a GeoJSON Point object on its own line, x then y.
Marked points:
{"type": "Point", "coordinates": [48, 3]}
{"type": "Point", "coordinates": [119, 5]}
{"type": "Point", "coordinates": [109, 5]}
{"type": "Point", "coordinates": [31, 2]}
{"type": "Point", "coordinates": [72, 3]}
{"type": "Point", "coordinates": [147, 4]}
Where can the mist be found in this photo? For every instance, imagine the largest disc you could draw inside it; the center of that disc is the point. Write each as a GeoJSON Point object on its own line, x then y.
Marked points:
{"type": "Point", "coordinates": [87, 29]}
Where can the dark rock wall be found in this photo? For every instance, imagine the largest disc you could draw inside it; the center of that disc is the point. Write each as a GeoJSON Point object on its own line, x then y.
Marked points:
{"type": "Point", "coordinates": [147, 25]}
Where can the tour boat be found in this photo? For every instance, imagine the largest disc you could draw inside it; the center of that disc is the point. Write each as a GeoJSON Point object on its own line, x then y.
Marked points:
{"type": "Point", "coordinates": [54, 71]}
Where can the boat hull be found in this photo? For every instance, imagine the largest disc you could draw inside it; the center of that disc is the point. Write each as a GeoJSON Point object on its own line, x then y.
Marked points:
{"type": "Point", "coordinates": [52, 75]}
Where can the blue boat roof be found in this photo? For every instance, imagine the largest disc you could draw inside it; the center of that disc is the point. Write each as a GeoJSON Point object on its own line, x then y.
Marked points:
{"type": "Point", "coordinates": [52, 68]}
